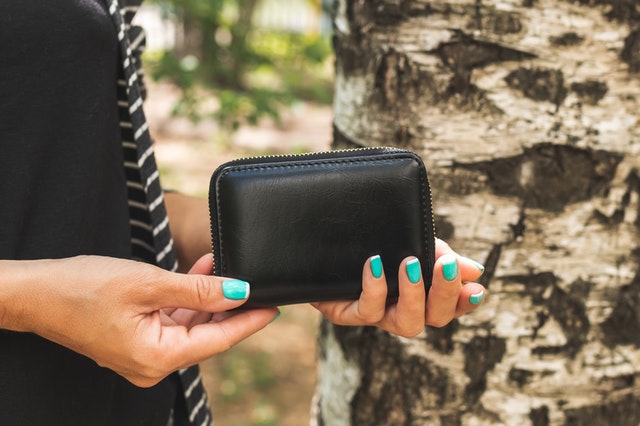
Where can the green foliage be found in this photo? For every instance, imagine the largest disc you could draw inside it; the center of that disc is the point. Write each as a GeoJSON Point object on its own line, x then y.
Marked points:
{"type": "Point", "coordinates": [245, 375]}
{"type": "Point", "coordinates": [251, 72]}
{"type": "Point", "coordinates": [301, 62]}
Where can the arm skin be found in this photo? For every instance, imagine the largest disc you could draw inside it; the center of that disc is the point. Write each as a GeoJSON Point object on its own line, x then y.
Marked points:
{"type": "Point", "coordinates": [134, 318]}
{"type": "Point", "coordinates": [448, 299]}
{"type": "Point", "coordinates": [144, 322]}
{"type": "Point", "coordinates": [190, 226]}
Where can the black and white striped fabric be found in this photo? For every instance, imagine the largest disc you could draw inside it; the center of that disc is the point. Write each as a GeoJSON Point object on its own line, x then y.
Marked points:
{"type": "Point", "coordinates": [150, 236]}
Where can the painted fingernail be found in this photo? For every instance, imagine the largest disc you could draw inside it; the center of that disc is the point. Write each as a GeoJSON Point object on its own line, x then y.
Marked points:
{"type": "Point", "coordinates": [476, 264]}
{"type": "Point", "coordinates": [376, 266]}
{"type": "Point", "coordinates": [413, 270]}
{"type": "Point", "coordinates": [474, 299]}
{"type": "Point", "coordinates": [276, 317]}
{"type": "Point", "coordinates": [450, 268]}
{"type": "Point", "coordinates": [235, 289]}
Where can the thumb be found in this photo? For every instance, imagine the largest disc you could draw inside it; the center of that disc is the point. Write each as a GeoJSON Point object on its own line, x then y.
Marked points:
{"type": "Point", "coordinates": [199, 291]}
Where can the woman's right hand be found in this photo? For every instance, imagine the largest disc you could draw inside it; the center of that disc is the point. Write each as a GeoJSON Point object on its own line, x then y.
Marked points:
{"type": "Point", "coordinates": [452, 293]}
{"type": "Point", "coordinates": [134, 318]}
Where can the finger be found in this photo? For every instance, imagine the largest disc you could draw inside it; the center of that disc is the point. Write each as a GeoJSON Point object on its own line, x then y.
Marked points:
{"type": "Point", "coordinates": [195, 292]}
{"type": "Point", "coordinates": [472, 295]}
{"type": "Point", "coordinates": [410, 309]}
{"type": "Point", "coordinates": [470, 270]}
{"type": "Point", "coordinates": [336, 311]}
{"type": "Point", "coordinates": [231, 290]}
{"type": "Point", "coordinates": [205, 340]}
{"type": "Point", "coordinates": [188, 317]}
{"type": "Point", "coordinates": [445, 291]}
{"type": "Point", "coordinates": [222, 316]}
{"type": "Point", "coordinates": [442, 248]}
{"type": "Point", "coordinates": [203, 266]}
{"type": "Point", "coordinates": [371, 305]}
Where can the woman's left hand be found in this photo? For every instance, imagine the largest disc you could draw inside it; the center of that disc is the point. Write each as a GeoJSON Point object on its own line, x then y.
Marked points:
{"type": "Point", "coordinates": [452, 294]}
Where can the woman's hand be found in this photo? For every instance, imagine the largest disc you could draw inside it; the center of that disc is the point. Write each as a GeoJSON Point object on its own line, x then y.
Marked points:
{"type": "Point", "coordinates": [452, 294]}
{"type": "Point", "coordinates": [136, 319]}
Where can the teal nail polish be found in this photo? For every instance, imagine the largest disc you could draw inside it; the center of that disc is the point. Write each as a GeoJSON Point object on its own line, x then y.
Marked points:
{"type": "Point", "coordinates": [450, 268]}
{"type": "Point", "coordinates": [235, 289]}
{"type": "Point", "coordinates": [413, 271]}
{"type": "Point", "coordinates": [476, 264]}
{"type": "Point", "coordinates": [474, 299]}
{"type": "Point", "coordinates": [376, 266]}
{"type": "Point", "coordinates": [276, 317]}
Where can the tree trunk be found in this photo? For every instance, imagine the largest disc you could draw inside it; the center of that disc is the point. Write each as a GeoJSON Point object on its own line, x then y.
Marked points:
{"type": "Point", "coordinates": [526, 114]}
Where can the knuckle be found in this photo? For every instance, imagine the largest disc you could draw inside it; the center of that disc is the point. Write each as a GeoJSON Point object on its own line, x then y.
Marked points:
{"type": "Point", "coordinates": [372, 317]}
{"type": "Point", "coordinates": [203, 289]}
{"type": "Point", "coordinates": [151, 375]}
{"type": "Point", "coordinates": [408, 329]}
{"type": "Point", "coordinates": [143, 382]}
{"type": "Point", "coordinates": [225, 343]}
{"type": "Point", "coordinates": [377, 292]}
{"type": "Point", "coordinates": [439, 322]}
{"type": "Point", "coordinates": [412, 332]}
{"type": "Point", "coordinates": [141, 282]}
{"type": "Point", "coordinates": [149, 366]}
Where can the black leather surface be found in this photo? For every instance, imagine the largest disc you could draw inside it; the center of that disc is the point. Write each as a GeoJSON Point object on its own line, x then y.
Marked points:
{"type": "Point", "coordinates": [299, 229]}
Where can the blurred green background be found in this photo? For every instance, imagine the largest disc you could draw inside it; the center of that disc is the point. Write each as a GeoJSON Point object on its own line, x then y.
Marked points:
{"type": "Point", "coordinates": [253, 56]}
{"type": "Point", "coordinates": [228, 79]}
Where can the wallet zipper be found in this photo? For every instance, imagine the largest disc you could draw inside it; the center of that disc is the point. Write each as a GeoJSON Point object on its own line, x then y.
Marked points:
{"type": "Point", "coordinates": [311, 155]}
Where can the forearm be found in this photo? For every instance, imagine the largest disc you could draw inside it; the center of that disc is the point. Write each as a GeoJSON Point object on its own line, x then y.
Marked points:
{"type": "Point", "coordinates": [20, 292]}
{"type": "Point", "coordinates": [139, 320]}
{"type": "Point", "coordinates": [190, 226]}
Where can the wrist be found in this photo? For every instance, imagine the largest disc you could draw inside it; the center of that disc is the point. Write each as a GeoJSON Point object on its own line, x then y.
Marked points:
{"type": "Point", "coordinates": [26, 293]}
{"type": "Point", "coordinates": [15, 287]}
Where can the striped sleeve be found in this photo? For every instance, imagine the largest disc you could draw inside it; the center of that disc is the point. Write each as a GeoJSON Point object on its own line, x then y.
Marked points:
{"type": "Point", "coordinates": [150, 234]}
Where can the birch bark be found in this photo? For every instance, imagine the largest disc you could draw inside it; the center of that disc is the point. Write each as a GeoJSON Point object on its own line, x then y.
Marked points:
{"type": "Point", "coordinates": [526, 114]}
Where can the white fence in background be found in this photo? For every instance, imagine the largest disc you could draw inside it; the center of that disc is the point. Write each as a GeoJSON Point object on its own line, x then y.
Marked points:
{"type": "Point", "coordinates": [300, 16]}
{"type": "Point", "coordinates": [161, 31]}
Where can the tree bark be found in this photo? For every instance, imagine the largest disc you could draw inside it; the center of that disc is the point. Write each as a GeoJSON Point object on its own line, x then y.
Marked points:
{"type": "Point", "coordinates": [526, 114]}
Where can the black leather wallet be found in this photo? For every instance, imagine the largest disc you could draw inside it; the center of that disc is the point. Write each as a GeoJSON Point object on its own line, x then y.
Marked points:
{"type": "Point", "coordinates": [299, 228]}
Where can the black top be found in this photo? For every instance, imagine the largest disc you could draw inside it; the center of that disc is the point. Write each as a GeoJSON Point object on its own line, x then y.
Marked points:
{"type": "Point", "coordinates": [63, 189]}
{"type": "Point", "coordinates": [63, 193]}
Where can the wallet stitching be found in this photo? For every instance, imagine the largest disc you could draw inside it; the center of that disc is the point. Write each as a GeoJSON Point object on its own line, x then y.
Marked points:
{"type": "Point", "coordinates": [424, 186]}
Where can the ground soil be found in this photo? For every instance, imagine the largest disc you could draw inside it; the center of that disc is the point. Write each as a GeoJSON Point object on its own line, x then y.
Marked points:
{"type": "Point", "coordinates": [268, 379]}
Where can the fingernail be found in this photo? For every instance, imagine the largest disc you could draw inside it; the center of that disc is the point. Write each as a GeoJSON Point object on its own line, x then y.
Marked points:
{"type": "Point", "coordinates": [376, 266]}
{"type": "Point", "coordinates": [276, 317]}
{"type": "Point", "coordinates": [235, 289]}
{"type": "Point", "coordinates": [476, 264]}
{"type": "Point", "coordinates": [474, 299]}
{"type": "Point", "coordinates": [450, 268]}
{"type": "Point", "coordinates": [413, 270]}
